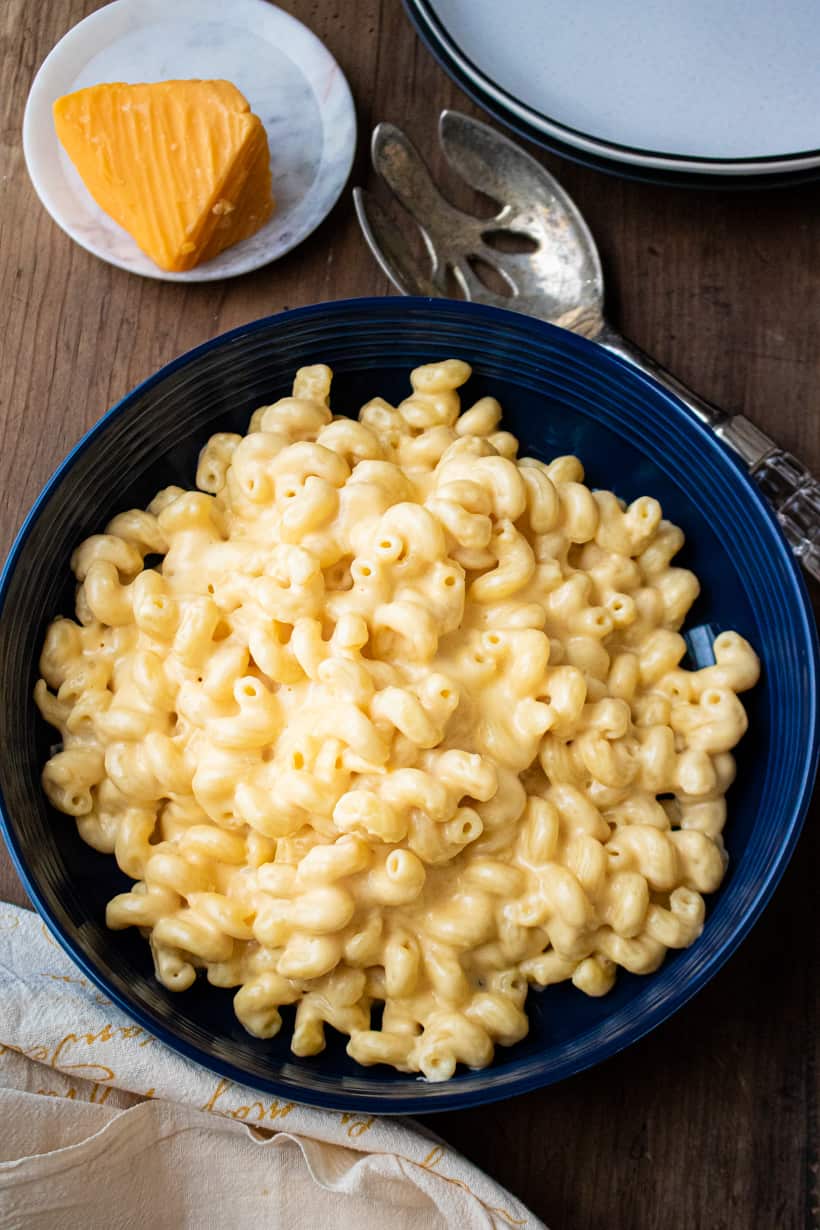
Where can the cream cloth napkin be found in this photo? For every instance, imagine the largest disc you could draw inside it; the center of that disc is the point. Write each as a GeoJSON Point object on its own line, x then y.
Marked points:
{"type": "Point", "coordinates": [103, 1127]}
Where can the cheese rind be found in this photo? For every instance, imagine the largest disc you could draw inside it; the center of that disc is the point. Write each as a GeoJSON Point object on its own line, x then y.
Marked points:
{"type": "Point", "coordinates": [183, 166]}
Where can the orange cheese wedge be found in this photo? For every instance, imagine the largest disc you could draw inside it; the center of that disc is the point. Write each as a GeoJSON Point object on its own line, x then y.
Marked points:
{"type": "Point", "coordinates": [183, 166]}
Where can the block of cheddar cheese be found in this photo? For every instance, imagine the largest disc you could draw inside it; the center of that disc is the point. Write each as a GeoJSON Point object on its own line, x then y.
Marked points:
{"type": "Point", "coordinates": [183, 166]}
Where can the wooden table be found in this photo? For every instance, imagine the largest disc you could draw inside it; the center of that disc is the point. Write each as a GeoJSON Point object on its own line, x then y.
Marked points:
{"type": "Point", "coordinates": [712, 1120]}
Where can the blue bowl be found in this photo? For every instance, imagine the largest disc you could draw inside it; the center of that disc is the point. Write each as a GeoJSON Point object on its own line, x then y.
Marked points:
{"type": "Point", "coordinates": [560, 394]}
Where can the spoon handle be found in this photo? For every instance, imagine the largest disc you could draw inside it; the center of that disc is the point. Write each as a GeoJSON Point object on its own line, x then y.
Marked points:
{"type": "Point", "coordinates": [790, 488]}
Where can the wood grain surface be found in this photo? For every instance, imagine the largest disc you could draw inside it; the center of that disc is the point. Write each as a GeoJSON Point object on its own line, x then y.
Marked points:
{"type": "Point", "coordinates": [712, 1120]}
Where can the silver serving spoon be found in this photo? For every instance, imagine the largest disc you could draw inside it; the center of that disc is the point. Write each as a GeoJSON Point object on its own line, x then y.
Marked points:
{"type": "Point", "coordinates": [560, 280]}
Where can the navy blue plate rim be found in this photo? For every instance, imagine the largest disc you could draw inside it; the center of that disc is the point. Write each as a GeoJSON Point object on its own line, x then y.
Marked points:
{"type": "Point", "coordinates": [435, 38]}
{"type": "Point", "coordinates": [660, 1010]}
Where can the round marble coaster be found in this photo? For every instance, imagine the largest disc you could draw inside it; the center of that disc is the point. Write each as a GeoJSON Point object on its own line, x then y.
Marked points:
{"type": "Point", "coordinates": [287, 75]}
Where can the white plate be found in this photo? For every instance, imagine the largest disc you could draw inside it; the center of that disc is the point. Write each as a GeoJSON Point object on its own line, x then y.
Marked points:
{"type": "Point", "coordinates": [720, 86]}
{"type": "Point", "coordinates": [287, 75]}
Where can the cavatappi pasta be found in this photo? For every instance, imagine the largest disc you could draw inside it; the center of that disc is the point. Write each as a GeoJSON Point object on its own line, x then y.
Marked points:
{"type": "Point", "coordinates": [399, 718]}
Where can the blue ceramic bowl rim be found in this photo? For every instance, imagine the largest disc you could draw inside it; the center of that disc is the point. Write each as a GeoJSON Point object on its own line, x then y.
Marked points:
{"type": "Point", "coordinates": [660, 1011]}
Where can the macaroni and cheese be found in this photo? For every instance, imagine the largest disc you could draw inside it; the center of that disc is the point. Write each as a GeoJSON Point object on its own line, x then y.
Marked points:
{"type": "Point", "coordinates": [399, 719]}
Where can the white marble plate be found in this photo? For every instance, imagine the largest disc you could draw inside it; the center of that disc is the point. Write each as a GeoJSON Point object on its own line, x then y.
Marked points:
{"type": "Point", "coordinates": [725, 87]}
{"type": "Point", "coordinates": [287, 75]}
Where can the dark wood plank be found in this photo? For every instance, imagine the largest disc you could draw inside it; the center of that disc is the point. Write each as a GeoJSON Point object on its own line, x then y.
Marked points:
{"type": "Point", "coordinates": [712, 1120]}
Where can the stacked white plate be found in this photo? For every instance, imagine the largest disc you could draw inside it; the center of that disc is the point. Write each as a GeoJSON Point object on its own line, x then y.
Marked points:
{"type": "Point", "coordinates": [721, 90]}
